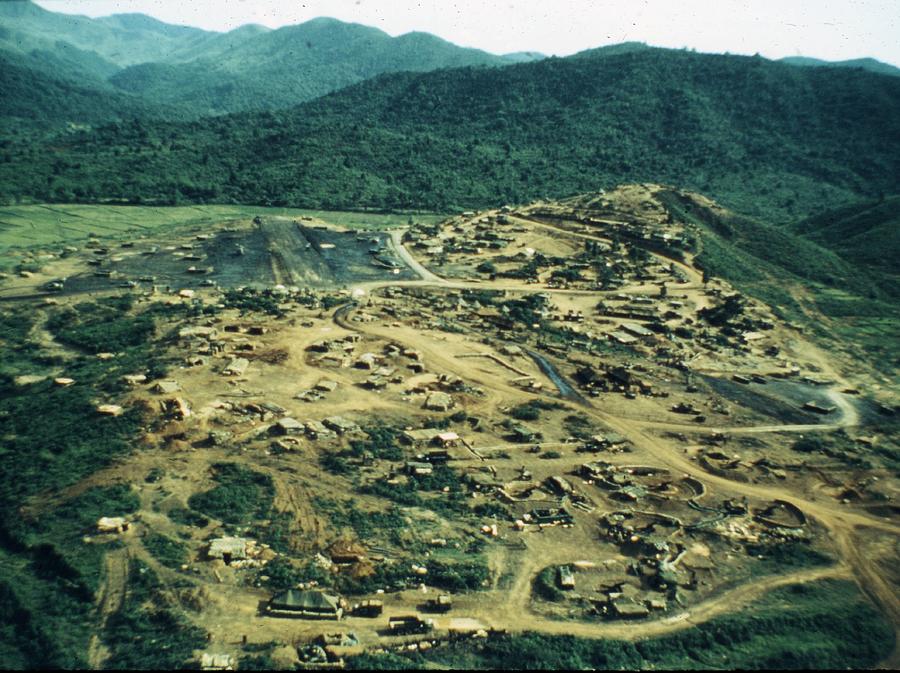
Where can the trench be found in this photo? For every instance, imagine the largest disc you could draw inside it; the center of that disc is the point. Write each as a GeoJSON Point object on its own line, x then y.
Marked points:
{"type": "Point", "coordinates": [562, 385]}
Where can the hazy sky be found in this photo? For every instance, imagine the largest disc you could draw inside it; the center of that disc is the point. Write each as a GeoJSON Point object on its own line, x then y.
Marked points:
{"type": "Point", "coordinates": [829, 29]}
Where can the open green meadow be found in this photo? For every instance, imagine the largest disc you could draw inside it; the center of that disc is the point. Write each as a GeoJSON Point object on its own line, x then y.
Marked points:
{"type": "Point", "coordinates": [46, 224]}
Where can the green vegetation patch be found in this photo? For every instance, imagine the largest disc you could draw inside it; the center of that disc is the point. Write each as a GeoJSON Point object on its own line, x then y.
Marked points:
{"type": "Point", "coordinates": [52, 436]}
{"type": "Point", "coordinates": [187, 517]}
{"type": "Point", "coordinates": [167, 551]}
{"type": "Point", "coordinates": [468, 575]}
{"type": "Point", "coordinates": [97, 327]}
{"type": "Point", "coordinates": [20, 354]}
{"type": "Point", "coordinates": [531, 410]}
{"type": "Point", "coordinates": [579, 426]}
{"type": "Point", "coordinates": [424, 491]}
{"type": "Point", "coordinates": [248, 300]}
{"type": "Point", "coordinates": [142, 635]}
{"type": "Point", "coordinates": [45, 224]}
{"type": "Point", "coordinates": [346, 514]}
{"type": "Point", "coordinates": [240, 495]}
{"type": "Point", "coordinates": [545, 585]}
{"type": "Point", "coordinates": [792, 556]}
{"type": "Point", "coordinates": [71, 440]}
{"type": "Point", "coordinates": [48, 580]}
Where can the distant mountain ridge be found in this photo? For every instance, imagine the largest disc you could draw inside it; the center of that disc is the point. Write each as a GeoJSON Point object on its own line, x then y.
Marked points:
{"type": "Point", "coordinates": [293, 64]}
{"type": "Point", "coordinates": [248, 68]}
{"type": "Point", "coordinates": [122, 41]}
{"type": "Point", "coordinates": [870, 64]}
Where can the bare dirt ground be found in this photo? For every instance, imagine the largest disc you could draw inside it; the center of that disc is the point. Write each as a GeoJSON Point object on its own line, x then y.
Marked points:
{"type": "Point", "coordinates": [110, 600]}
{"type": "Point", "coordinates": [844, 528]}
{"type": "Point", "coordinates": [857, 537]}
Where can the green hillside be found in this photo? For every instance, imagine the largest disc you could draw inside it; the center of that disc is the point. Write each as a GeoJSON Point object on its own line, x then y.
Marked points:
{"type": "Point", "coordinates": [870, 64]}
{"type": "Point", "coordinates": [123, 40]}
{"type": "Point", "coordinates": [766, 139]}
{"type": "Point", "coordinates": [207, 91]}
{"type": "Point", "coordinates": [848, 303]}
{"type": "Point", "coordinates": [867, 234]}
{"type": "Point", "coordinates": [283, 67]}
{"type": "Point", "coordinates": [62, 60]}
{"type": "Point", "coordinates": [35, 99]}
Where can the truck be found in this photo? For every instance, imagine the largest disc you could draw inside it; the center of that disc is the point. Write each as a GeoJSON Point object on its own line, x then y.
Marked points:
{"type": "Point", "coordinates": [368, 608]}
{"type": "Point", "coordinates": [442, 603]}
{"type": "Point", "coordinates": [409, 624]}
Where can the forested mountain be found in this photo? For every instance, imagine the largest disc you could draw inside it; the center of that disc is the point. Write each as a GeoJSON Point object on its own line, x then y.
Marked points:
{"type": "Point", "coordinates": [870, 64]}
{"type": "Point", "coordinates": [121, 40]}
{"type": "Point", "coordinates": [249, 68]}
{"type": "Point", "coordinates": [36, 99]}
{"type": "Point", "coordinates": [866, 234]}
{"type": "Point", "coordinates": [282, 67]}
{"type": "Point", "coordinates": [765, 138]}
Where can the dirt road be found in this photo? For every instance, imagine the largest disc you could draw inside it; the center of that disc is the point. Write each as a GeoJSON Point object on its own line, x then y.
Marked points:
{"type": "Point", "coordinates": [430, 279]}
{"type": "Point", "coordinates": [396, 244]}
{"type": "Point", "coordinates": [725, 603]}
{"type": "Point", "coordinates": [111, 597]}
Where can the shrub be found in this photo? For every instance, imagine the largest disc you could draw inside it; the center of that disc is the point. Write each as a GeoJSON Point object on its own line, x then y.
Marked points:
{"type": "Point", "coordinates": [466, 575]}
{"type": "Point", "coordinates": [809, 445]}
{"type": "Point", "coordinates": [187, 517]}
{"type": "Point", "coordinates": [545, 585]}
{"type": "Point", "coordinates": [167, 551]}
{"type": "Point", "coordinates": [240, 496]}
{"type": "Point", "coordinates": [578, 426]}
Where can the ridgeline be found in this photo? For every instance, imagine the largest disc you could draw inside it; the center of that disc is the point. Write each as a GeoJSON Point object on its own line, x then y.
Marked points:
{"type": "Point", "coordinates": [766, 139]}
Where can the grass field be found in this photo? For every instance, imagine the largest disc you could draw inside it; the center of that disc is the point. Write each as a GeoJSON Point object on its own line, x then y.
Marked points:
{"type": "Point", "coordinates": [36, 225]}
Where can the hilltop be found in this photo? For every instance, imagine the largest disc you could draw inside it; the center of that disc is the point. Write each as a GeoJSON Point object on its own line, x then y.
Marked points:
{"type": "Point", "coordinates": [870, 64]}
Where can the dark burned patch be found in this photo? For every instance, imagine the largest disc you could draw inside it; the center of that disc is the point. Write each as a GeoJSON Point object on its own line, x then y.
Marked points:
{"type": "Point", "coordinates": [779, 400]}
{"type": "Point", "coordinates": [275, 251]}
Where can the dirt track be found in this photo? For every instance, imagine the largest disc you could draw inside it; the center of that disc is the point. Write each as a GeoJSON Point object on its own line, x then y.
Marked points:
{"type": "Point", "coordinates": [111, 598]}
{"type": "Point", "coordinates": [725, 603]}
